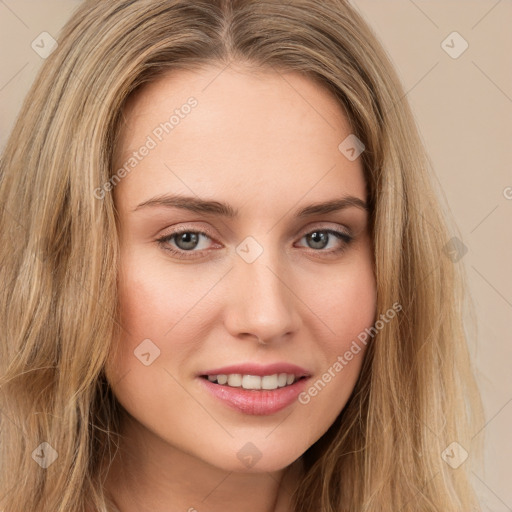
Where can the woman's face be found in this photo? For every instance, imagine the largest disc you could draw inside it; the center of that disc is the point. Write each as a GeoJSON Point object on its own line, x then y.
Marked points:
{"type": "Point", "coordinates": [251, 291]}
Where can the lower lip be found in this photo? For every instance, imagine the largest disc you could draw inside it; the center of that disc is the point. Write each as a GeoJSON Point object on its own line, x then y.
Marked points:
{"type": "Point", "coordinates": [256, 402]}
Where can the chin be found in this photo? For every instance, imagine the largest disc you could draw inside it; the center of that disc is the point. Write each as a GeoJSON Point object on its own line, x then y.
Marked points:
{"type": "Point", "coordinates": [257, 457]}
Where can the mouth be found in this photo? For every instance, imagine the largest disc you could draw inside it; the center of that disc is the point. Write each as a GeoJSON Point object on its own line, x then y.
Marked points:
{"type": "Point", "coordinates": [253, 389]}
{"type": "Point", "coordinates": [254, 382]}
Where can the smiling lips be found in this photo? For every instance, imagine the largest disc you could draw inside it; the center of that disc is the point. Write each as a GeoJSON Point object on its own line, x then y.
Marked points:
{"type": "Point", "coordinates": [254, 389]}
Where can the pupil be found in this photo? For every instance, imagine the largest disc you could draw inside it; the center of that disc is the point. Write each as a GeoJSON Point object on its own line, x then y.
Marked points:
{"type": "Point", "coordinates": [189, 239]}
{"type": "Point", "coordinates": [319, 238]}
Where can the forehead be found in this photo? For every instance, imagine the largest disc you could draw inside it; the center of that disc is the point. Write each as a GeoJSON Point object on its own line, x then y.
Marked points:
{"type": "Point", "coordinates": [249, 132]}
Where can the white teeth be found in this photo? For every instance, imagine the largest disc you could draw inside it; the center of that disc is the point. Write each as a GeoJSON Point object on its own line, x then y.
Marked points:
{"type": "Point", "coordinates": [268, 382]}
{"type": "Point", "coordinates": [251, 382]}
{"type": "Point", "coordinates": [235, 380]}
{"type": "Point", "coordinates": [282, 379]}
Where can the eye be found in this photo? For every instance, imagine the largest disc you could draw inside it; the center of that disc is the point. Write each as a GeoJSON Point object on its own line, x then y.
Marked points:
{"type": "Point", "coordinates": [320, 239]}
{"type": "Point", "coordinates": [184, 241]}
{"type": "Point", "coordinates": [188, 243]}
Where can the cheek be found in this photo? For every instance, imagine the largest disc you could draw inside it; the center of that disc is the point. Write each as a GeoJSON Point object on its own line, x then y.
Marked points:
{"type": "Point", "coordinates": [171, 308]}
{"type": "Point", "coordinates": [346, 302]}
{"type": "Point", "coordinates": [353, 306]}
{"type": "Point", "coordinates": [158, 337]}
{"type": "Point", "coordinates": [154, 297]}
{"type": "Point", "coordinates": [348, 308]}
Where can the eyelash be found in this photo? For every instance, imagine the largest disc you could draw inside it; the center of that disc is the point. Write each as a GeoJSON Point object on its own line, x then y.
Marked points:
{"type": "Point", "coordinates": [182, 254]}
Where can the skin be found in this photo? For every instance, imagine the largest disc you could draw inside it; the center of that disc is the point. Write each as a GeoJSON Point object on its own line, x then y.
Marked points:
{"type": "Point", "coordinates": [267, 144]}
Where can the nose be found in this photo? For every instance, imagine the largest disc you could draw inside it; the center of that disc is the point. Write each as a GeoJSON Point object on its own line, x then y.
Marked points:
{"type": "Point", "coordinates": [261, 302]}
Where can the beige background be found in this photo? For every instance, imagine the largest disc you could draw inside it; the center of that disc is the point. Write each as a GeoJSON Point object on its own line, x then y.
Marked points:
{"type": "Point", "coordinates": [463, 107]}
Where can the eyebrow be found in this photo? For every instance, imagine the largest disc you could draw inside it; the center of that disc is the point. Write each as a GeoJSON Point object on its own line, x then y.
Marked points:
{"type": "Point", "coordinates": [197, 205]}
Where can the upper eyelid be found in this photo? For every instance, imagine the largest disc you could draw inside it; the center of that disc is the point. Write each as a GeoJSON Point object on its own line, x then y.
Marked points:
{"type": "Point", "coordinates": [208, 232]}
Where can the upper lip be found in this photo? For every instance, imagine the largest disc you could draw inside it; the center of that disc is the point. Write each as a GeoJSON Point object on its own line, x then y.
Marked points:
{"type": "Point", "coordinates": [258, 369]}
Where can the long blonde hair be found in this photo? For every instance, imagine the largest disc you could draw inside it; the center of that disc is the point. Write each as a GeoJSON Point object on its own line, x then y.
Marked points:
{"type": "Point", "coordinates": [59, 258]}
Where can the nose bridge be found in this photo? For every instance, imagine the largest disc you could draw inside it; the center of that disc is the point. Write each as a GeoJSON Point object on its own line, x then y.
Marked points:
{"type": "Point", "coordinates": [262, 303]}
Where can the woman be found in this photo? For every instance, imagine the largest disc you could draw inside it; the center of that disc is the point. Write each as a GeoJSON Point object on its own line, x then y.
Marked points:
{"type": "Point", "coordinates": [225, 276]}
